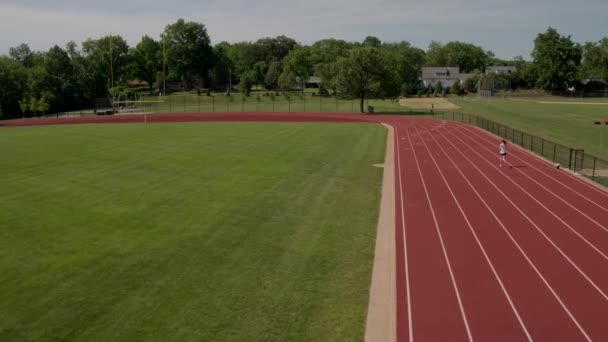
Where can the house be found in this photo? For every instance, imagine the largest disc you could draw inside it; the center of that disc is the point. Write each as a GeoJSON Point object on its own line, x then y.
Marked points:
{"type": "Point", "coordinates": [500, 69]}
{"type": "Point", "coordinates": [447, 76]}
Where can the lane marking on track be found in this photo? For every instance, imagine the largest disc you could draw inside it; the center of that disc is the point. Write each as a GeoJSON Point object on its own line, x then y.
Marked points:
{"type": "Point", "coordinates": [580, 236]}
{"type": "Point", "coordinates": [483, 250]}
{"type": "Point", "coordinates": [490, 137]}
{"type": "Point", "coordinates": [597, 288]}
{"type": "Point", "coordinates": [445, 254]}
{"type": "Point", "coordinates": [405, 257]}
{"type": "Point", "coordinates": [553, 292]}
{"type": "Point", "coordinates": [552, 193]}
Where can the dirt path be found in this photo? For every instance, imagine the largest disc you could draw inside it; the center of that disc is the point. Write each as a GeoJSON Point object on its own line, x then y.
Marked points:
{"type": "Point", "coordinates": [381, 315]}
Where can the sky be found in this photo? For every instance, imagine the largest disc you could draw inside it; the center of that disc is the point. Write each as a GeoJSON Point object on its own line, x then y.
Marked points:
{"type": "Point", "coordinates": [507, 28]}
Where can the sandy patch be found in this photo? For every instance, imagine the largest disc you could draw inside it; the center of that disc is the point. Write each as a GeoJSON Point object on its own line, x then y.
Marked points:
{"type": "Point", "coordinates": [382, 312]}
{"type": "Point", "coordinates": [428, 103]}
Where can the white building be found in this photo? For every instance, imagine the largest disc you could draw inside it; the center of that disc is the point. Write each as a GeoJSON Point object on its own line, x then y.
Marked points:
{"type": "Point", "coordinates": [447, 76]}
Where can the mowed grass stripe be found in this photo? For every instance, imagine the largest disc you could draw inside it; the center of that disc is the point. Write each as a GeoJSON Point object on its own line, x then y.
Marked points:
{"type": "Point", "coordinates": [568, 124]}
{"type": "Point", "coordinates": [214, 231]}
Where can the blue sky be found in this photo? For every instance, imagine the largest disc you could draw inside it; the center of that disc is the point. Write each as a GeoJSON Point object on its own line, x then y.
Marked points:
{"type": "Point", "coordinates": [508, 28]}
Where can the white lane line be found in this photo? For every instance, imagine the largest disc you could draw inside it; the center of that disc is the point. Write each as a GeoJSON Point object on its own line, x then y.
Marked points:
{"type": "Point", "coordinates": [405, 257]}
{"type": "Point", "coordinates": [597, 288]}
{"type": "Point", "coordinates": [595, 248]}
{"type": "Point", "coordinates": [601, 226]}
{"type": "Point", "coordinates": [486, 136]}
{"type": "Point", "coordinates": [445, 254]}
{"type": "Point", "coordinates": [504, 290]}
{"type": "Point", "coordinates": [504, 228]}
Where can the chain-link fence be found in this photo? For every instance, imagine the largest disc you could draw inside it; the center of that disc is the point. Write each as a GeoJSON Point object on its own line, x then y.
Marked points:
{"type": "Point", "coordinates": [572, 158]}
{"type": "Point", "coordinates": [261, 102]}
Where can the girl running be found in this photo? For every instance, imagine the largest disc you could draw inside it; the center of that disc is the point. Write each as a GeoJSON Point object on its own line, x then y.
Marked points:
{"type": "Point", "coordinates": [503, 152]}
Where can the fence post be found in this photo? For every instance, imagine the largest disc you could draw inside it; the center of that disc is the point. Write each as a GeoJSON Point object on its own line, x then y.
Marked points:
{"type": "Point", "coordinates": [593, 174]}
{"type": "Point", "coordinates": [185, 98]}
{"type": "Point", "coordinates": [542, 147]}
{"type": "Point", "coordinates": [212, 103]}
{"type": "Point", "coordinates": [199, 103]}
{"type": "Point", "coordinates": [554, 150]}
{"type": "Point", "coordinates": [570, 161]}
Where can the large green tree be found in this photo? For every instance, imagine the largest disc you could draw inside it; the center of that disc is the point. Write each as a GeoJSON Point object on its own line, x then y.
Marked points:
{"type": "Point", "coordinates": [556, 60]}
{"type": "Point", "coordinates": [299, 63]}
{"type": "Point", "coordinates": [271, 80]}
{"type": "Point", "coordinates": [13, 86]}
{"type": "Point", "coordinates": [146, 61]}
{"type": "Point", "coordinates": [361, 73]}
{"type": "Point", "coordinates": [189, 51]}
{"type": "Point", "coordinates": [595, 60]}
{"type": "Point", "coordinates": [467, 56]}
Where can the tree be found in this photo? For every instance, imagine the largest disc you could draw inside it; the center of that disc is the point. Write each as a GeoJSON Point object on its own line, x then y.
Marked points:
{"type": "Point", "coordinates": [188, 49]}
{"type": "Point", "coordinates": [222, 66]}
{"type": "Point", "coordinates": [247, 81]}
{"type": "Point", "coordinates": [467, 57]}
{"type": "Point", "coordinates": [271, 81]}
{"type": "Point", "coordinates": [361, 73]}
{"type": "Point", "coordinates": [260, 69]}
{"type": "Point", "coordinates": [595, 60]}
{"type": "Point", "coordinates": [470, 84]}
{"type": "Point", "coordinates": [456, 88]}
{"type": "Point", "coordinates": [24, 105]}
{"type": "Point", "coordinates": [407, 61]}
{"type": "Point", "coordinates": [22, 54]}
{"type": "Point", "coordinates": [287, 81]}
{"type": "Point", "coordinates": [13, 85]}
{"type": "Point", "coordinates": [146, 61]}
{"type": "Point", "coordinates": [299, 63]}
{"type": "Point", "coordinates": [556, 60]}
{"type": "Point", "coordinates": [438, 88]}
{"type": "Point", "coordinates": [371, 41]}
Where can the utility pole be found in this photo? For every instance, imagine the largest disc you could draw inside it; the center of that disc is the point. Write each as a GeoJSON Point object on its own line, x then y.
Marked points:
{"type": "Point", "coordinates": [164, 66]}
{"type": "Point", "coordinates": [111, 68]}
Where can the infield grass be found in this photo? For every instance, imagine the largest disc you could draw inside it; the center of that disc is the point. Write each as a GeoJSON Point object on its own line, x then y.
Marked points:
{"type": "Point", "coordinates": [184, 232]}
{"type": "Point", "coordinates": [568, 124]}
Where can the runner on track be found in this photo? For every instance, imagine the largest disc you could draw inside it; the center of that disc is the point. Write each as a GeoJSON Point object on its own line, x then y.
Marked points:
{"type": "Point", "coordinates": [503, 152]}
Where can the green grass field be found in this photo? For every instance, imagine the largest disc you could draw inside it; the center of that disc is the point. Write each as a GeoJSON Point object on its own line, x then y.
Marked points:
{"type": "Point", "coordinates": [184, 232]}
{"type": "Point", "coordinates": [568, 124]}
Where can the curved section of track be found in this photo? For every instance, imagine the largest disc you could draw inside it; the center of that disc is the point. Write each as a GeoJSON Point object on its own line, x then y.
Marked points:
{"type": "Point", "coordinates": [482, 252]}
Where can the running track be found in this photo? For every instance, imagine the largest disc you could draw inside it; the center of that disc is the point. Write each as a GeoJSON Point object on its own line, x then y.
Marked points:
{"type": "Point", "coordinates": [483, 253]}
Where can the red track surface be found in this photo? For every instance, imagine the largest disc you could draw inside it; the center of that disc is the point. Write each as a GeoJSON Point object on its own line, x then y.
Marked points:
{"type": "Point", "coordinates": [483, 252]}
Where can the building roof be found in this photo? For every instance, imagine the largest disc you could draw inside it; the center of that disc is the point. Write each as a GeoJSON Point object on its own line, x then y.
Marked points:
{"type": "Point", "coordinates": [444, 73]}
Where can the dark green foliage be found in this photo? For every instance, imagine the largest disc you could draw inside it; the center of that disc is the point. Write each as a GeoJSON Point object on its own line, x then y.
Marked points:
{"type": "Point", "coordinates": [556, 60]}
{"type": "Point", "coordinates": [271, 80]}
{"type": "Point", "coordinates": [189, 51]}
{"type": "Point", "coordinates": [146, 59]}
{"type": "Point", "coordinates": [467, 56]}
{"type": "Point", "coordinates": [361, 74]}
{"type": "Point", "coordinates": [13, 86]}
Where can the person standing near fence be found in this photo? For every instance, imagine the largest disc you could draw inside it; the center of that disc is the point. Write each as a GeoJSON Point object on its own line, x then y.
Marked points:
{"type": "Point", "coordinates": [503, 152]}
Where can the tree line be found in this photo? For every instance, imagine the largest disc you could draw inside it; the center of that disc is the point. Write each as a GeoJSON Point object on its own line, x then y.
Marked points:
{"type": "Point", "coordinates": [71, 77]}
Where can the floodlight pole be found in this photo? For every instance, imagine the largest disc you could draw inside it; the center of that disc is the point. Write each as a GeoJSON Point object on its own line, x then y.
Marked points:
{"type": "Point", "coordinates": [164, 67]}
{"type": "Point", "coordinates": [111, 68]}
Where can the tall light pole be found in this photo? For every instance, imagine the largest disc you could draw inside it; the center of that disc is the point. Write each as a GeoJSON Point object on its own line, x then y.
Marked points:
{"type": "Point", "coordinates": [164, 67]}
{"type": "Point", "coordinates": [111, 67]}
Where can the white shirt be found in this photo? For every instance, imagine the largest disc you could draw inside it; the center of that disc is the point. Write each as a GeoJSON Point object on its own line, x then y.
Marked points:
{"type": "Point", "coordinates": [503, 148]}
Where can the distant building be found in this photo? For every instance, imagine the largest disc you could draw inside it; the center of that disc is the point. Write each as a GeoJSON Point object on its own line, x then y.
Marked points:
{"type": "Point", "coordinates": [447, 76]}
